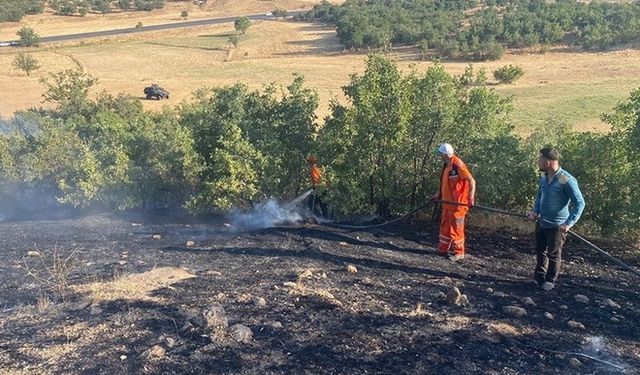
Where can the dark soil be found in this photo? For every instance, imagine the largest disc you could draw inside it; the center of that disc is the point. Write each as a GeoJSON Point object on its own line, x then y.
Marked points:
{"type": "Point", "coordinates": [388, 318]}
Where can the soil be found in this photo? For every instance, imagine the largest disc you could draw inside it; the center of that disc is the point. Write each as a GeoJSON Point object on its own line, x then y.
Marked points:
{"type": "Point", "coordinates": [318, 300]}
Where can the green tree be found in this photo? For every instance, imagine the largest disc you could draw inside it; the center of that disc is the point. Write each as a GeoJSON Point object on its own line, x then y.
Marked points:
{"type": "Point", "coordinates": [279, 13]}
{"type": "Point", "coordinates": [508, 73]}
{"type": "Point", "coordinates": [69, 89]}
{"type": "Point", "coordinates": [28, 37]}
{"type": "Point", "coordinates": [124, 4]}
{"type": "Point", "coordinates": [242, 24]}
{"type": "Point", "coordinates": [101, 6]}
{"type": "Point", "coordinates": [184, 14]}
{"type": "Point", "coordinates": [231, 165]}
{"type": "Point", "coordinates": [26, 62]}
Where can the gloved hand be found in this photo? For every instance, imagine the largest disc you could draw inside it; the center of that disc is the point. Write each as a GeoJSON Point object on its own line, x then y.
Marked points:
{"type": "Point", "coordinates": [472, 201]}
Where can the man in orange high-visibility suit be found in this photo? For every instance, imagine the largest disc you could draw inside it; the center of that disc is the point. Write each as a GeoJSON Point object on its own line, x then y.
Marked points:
{"type": "Point", "coordinates": [315, 203]}
{"type": "Point", "coordinates": [316, 175]}
{"type": "Point", "coordinates": [456, 185]}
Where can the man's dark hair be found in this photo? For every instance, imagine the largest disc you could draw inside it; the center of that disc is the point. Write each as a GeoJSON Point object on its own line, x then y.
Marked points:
{"type": "Point", "coordinates": [550, 153]}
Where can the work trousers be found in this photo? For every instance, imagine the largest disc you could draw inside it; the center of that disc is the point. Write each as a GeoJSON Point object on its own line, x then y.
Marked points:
{"type": "Point", "coordinates": [549, 243]}
{"type": "Point", "coordinates": [452, 232]}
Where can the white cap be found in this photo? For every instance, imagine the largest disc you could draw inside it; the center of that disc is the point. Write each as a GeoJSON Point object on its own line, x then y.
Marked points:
{"type": "Point", "coordinates": [445, 149]}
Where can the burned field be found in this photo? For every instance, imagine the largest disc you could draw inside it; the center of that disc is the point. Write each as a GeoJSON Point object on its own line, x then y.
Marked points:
{"type": "Point", "coordinates": [113, 295]}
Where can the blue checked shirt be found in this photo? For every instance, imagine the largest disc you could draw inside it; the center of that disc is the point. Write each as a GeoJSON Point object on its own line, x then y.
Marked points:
{"type": "Point", "coordinates": [553, 198]}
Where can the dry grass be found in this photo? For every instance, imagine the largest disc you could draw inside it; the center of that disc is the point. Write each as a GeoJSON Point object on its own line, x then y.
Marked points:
{"type": "Point", "coordinates": [134, 287]}
{"type": "Point", "coordinates": [559, 86]}
{"type": "Point", "coordinates": [48, 24]}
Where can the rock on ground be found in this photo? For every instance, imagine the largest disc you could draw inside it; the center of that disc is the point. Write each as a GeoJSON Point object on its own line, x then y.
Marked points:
{"type": "Point", "coordinates": [514, 311]}
{"type": "Point", "coordinates": [575, 325]}
{"type": "Point", "coordinates": [581, 298]}
{"type": "Point", "coordinates": [241, 333]}
{"type": "Point", "coordinates": [454, 296]}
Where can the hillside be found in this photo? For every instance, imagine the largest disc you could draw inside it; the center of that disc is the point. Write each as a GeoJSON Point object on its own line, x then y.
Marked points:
{"type": "Point", "coordinates": [144, 300]}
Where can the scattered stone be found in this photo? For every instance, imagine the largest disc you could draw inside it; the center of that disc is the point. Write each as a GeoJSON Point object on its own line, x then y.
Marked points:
{"type": "Point", "coordinates": [214, 318]}
{"type": "Point", "coordinates": [441, 295]}
{"type": "Point", "coordinates": [609, 303]}
{"type": "Point", "coordinates": [276, 325]}
{"type": "Point", "coordinates": [289, 284]}
{"type": "Point", "coordinates": [33, 253]}
{"type": "Point", "coordinates": [500, 294]}
{"type": "Point", "coordinates": [171, 342]}
{"type": "Point", "coordinates": [453, 296]}
{"type": "Point", "coordinates": [574, 362]}
{"type": "Point", "coordinates": [136, 224]}
{"type": "Point", "coordinates": [306, 274]}
{"type": "Point", "coordinates": [245, 298]}
{"type": "Point", "coordinates": [614, 319]}
{"type": "Point", "coordinates": [342, 243]}
{"type": "Point", "coordinates": [351, 268]}
{"type": "Point", "coordinates": [575, 325]}
{"type": "Point", "coordinates": [123, 357]}
{"type": "Point", "coordinates": [259, 302]}
{"type": "Point", "coordinates": [122, 262]}
{"type": "Point", "coordinates": [191, 243]}
{"type": "Point", "coordinates": [549, 315]}
{"type": "Point", "coordinates": [155, 352]}
{"type": "Point", "coordinates": [156, 237]}
{"type": "Point", "coordinates": [464, 301]}
{"type": "Point", "coordinates": [489, 290]}
{"type": "Point", "coordinates": [227, 225]}
{"type": "Point", "coordinates": [241, 333]}
{"type": "Point", "coordinates": [213, 273]}
{"type": "Point", "coordinates": [528, 301]}
{"type": "Point", "coordinates": [623, 285]}
{"type": "Point", "coordinates": [514, 311]}
{"type": "Point", "coordinates": [563, 307]}
{"type": "Point", "coordinates": [323, 275]}
{"type": "Point", "coordinates": [447, 280]}
{"type": "Point", "coordinates": [581, 298]}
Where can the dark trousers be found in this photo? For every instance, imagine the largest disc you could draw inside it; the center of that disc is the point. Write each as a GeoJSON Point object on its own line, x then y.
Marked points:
{"type": "Point", "coordinates": [549, 243]}
{"type": "Point", "coordinates": [316, 204]}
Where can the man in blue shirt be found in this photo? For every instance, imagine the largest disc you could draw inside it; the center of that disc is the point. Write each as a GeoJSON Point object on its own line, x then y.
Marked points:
{"type": "Point", "coordinates": [556, 190]}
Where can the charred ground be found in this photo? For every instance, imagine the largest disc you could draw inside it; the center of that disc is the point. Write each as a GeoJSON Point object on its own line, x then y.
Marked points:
{"type": "Point", "coordinates": [135, 290]}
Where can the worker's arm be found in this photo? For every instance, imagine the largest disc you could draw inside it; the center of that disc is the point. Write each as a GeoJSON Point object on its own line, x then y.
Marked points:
{"type": "Point", "coordinates": [535, 213]}
{"type": "Point", "coordinates": [472, 190]}
{"type": "Point", "coordinates": [577, 203]}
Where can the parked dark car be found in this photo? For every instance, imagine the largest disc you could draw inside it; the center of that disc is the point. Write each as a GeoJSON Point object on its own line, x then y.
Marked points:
{"type": "Point", "coordinates": [155, 91]}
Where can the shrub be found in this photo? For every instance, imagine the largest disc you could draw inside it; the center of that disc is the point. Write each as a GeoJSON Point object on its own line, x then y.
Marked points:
{"type": "Point", "coordinates": [508, 73]}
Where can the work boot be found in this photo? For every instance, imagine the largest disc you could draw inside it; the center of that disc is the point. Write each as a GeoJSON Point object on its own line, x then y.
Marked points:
{"type": "Point", "coordinates": [456, 257]}
{"type": "Point", "coordinates": [547, 286]}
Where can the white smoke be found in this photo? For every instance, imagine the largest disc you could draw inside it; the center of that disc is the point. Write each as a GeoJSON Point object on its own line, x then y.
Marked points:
{"type": "Point", "coordinates": [268, 214]}
{"type": "Point", "coordinates": [596, 347]}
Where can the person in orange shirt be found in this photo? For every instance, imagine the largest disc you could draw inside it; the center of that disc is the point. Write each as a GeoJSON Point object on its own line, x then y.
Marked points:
{"type": "Point", "coordinates": [456, 185]}
{"type": "Point", "coordinates": [315, 203]}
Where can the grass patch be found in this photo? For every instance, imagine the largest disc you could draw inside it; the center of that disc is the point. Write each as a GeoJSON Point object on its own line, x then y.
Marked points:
{"type": "Point", "coordinates": [578, 104]}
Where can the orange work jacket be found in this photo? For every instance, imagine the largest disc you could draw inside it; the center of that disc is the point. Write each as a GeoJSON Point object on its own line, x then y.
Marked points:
{"type": "Point", "coordinates": [454, 185]}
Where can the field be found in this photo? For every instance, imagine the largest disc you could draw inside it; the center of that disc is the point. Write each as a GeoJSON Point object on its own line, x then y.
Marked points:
{"type": "Point", "coordinates": [560, 85]}
{"type": "Point", "coordinates": [135, 293]}
{"type": "Point", "coordinates": [142, 299]}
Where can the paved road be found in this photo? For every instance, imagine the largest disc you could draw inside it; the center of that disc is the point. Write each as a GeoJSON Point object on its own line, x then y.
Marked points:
{"type": "Point", "coordinates": [167, 26]}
